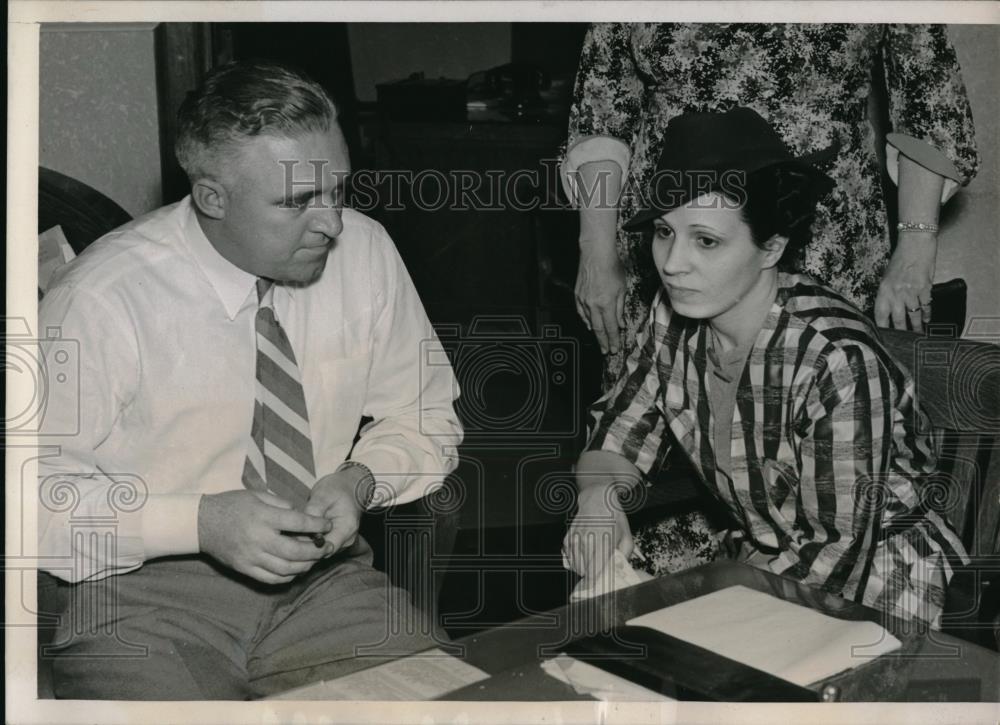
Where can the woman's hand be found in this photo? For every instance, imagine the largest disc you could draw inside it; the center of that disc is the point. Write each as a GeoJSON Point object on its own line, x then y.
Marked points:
{"type": "Point", "coordinates": [905, 291]}
{"type": "Point", "coordinates": [600, 279]}
{"type": "Point", "coordinates": [600, 295]}
{"type": "Point", "coordinates": [600, 527]}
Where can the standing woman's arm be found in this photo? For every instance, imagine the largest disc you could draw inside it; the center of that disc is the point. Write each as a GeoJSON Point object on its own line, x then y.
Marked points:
{"type": "Point", "coordinates": [604, 118]}
{"type": "Point", "coordinates": [931, 151]}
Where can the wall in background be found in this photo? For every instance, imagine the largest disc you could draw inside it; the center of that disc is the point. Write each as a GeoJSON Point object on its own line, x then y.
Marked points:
{"type": "Point", "coordinates": [969, 245]}
{"type": "Point", "coordinates": [98, 117]}
{"type": "Point", "coordinates": [552, 46]}
{"type": "Point", "coordinates": [383, 52]}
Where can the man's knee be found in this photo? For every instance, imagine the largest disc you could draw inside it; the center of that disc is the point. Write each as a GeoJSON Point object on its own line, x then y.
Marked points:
{"type": "Point", "coordinates": [349, 618]}
{"type": "Point", "coordinates": [136, 662]}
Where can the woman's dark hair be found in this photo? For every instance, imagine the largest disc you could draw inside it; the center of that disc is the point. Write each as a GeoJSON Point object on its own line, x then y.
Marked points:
{"type": "Point", "coordinates": [777, 200]}
{"type": "Point", "coordinates": [782, 200]}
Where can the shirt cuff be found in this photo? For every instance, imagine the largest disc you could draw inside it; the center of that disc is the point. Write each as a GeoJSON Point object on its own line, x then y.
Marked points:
{"type": "Point", "coordinates": [170, 525]}
{"type": "Point", "coordinates": [394, 484]}
{"type": "Point", "coordinates": [587, 149]}
{"type": "Point", "coordinates": [924, 154]}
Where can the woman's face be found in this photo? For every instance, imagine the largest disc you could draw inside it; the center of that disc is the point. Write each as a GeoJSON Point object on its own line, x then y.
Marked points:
{"type": "Point", "coordinates": [706, 258]}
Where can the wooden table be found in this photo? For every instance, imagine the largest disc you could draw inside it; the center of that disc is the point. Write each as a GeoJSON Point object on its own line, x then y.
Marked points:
{"type": "Point", "coordinates": [929, 666]}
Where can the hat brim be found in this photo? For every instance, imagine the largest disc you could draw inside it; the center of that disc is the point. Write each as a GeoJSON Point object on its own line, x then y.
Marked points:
{"type": "Point", "coordinates": [823, 183]}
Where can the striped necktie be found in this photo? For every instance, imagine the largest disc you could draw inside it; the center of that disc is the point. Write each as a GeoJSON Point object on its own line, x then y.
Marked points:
{"type": "Point", "coordinates": [280, 456]}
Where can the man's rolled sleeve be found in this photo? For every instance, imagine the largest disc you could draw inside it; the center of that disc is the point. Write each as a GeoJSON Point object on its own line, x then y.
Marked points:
{"type": "Point", "coordinates": [411, 443]}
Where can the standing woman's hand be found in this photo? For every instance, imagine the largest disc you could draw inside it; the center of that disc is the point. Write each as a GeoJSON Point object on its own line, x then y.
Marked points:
{"type": "Point", "coordinates": [904, 296]}
{"type": "Point", "coordinates": [600, 297]}
{"type": "Point", "coordinates": [905, 292]}
{"type": "Point", "coordinates": [600, 278]}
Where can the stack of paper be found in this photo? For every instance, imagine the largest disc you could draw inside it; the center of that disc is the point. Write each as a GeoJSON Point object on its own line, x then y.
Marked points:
{"type": "Point", "coordinates": [783, 639]}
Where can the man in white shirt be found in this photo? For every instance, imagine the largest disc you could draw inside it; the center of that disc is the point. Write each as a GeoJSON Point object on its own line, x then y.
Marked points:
{"type": "Point", "coordinates": [208, 485]}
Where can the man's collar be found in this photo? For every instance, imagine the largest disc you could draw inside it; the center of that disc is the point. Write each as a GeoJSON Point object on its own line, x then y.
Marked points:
{"type": "Point", "coordinates": [232, 284]}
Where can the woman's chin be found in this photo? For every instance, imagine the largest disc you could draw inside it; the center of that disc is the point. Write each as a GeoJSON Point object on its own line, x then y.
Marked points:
{"type": "Point", "coordinates": [688, 308]}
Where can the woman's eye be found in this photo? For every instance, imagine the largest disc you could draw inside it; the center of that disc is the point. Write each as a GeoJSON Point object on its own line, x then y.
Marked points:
{"type": "Point", "coordinates": [708, 242]}
{"type": "Point", "coordinates": [662, 232]}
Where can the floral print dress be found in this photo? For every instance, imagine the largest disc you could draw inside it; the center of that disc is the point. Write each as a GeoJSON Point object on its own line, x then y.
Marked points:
{"type": "Point", "coordinates": [812, 83]}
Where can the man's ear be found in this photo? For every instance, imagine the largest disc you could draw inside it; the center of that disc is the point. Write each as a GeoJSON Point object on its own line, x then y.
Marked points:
{"type": "Point", "coordinates": [210, 197]}
{"type": "Point", "coordinates": [773, 249]}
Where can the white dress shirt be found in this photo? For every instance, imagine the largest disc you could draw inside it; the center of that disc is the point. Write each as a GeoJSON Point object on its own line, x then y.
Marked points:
{"type": "Point", "coordinates": [165, 330]}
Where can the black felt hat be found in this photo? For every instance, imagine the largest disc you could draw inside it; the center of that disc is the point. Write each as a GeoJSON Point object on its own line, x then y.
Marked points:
{"type": "Point", "coordinates": [705, 152]}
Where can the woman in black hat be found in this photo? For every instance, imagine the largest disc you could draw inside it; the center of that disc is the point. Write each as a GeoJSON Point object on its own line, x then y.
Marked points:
{"type": "Point", "coordinates": [776, 387]}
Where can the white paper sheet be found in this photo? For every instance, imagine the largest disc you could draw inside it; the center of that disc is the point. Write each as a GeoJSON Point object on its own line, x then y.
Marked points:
{"type": "Point", "coordinates": [789, 641]}
{"type": "Point", "coordinates": [53, 252]}
{"type": "Point", "coordinates": [587, 679]}
{"type": "Point", "coordinates": [423, 676]}
{"type": "Point", "coordinates": [618, 575]}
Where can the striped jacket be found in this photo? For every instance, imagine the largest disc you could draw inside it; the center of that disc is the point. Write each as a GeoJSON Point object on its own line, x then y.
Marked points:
{"type": "Point", "coordinates": [831, 468]}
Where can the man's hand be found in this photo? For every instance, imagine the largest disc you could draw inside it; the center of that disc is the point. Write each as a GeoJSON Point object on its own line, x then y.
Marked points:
{"type": "Point", "coordinates": [600, 297]}
{"type": "Point", "coordinates": [242, 529]}
{"type": "Point", "coordinates": [339, 499]}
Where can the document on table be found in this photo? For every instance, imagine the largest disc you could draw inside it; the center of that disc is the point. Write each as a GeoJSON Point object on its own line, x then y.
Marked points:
{"type": "Point", "coordinates": [789, 641]}
{"type": "Point", "coordinates": [599, 684]}
{"type": "Point", "coordinates": [422, 676]}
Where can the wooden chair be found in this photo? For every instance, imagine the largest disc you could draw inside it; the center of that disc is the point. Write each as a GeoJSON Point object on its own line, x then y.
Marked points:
{"type": "Point", "coordinates": [958, 387]}
{"type": "Point", "coordinates": [83, 213]}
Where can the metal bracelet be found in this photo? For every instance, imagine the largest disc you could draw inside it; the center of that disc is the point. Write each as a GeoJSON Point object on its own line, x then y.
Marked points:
{"type": "Point", "coordinates": [916, 227]}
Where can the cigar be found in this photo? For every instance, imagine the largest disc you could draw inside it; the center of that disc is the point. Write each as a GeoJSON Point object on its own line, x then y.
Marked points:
{"type": "Point", "coordinates": [319, 541]}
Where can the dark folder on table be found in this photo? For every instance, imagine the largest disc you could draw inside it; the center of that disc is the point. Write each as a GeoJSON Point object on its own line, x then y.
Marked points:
{"type": "Point", "coordinates": [681, 670]}
{"type": "Point", "coordinates": [735, 644]}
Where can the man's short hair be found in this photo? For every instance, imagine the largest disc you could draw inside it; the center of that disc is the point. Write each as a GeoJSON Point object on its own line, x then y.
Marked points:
{"type": "Point", "coordinates": [238, 101]}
